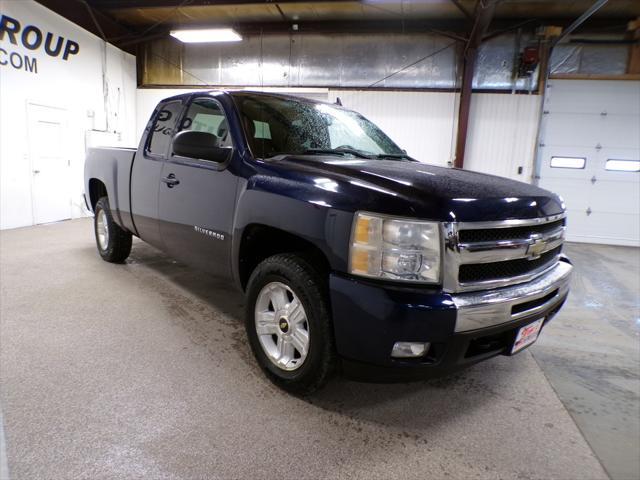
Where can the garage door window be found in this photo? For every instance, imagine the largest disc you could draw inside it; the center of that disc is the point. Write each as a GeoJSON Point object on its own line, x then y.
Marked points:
{"type": "Point", "coordinates": [568, 162]}
{"type": "Point", "coordinates": [623, 165]}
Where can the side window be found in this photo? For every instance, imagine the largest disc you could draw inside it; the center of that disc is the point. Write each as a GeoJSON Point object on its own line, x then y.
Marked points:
{"type": "Point", "coordinates": [163, 126]}
{"type": "Point", "coordinates": [206, 115]}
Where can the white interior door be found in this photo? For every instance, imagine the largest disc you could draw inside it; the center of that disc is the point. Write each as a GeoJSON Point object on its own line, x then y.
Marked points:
{"type": "Point", "coordinates": [591, 123]}
{"type": "Point", "coordinates": [50, 165]}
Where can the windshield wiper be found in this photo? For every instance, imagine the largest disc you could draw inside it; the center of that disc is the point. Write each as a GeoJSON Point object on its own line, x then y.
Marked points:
{"type": "Point", "coordinates": [399, 156]}
{"type": "Point", "coordinates": [342, 151]}
{"type": "Point", "coordinates": [336, 151]}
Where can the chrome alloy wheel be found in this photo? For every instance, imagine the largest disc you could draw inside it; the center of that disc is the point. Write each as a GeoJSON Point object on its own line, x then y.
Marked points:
{"type": "Point", "coordinates": [102, 230]}
{"type": "Point", "coordinates": [282, 326]}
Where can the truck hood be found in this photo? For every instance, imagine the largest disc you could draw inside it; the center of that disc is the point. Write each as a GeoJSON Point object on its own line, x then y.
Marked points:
{"type": "Point", "coordinates": [403, 187]}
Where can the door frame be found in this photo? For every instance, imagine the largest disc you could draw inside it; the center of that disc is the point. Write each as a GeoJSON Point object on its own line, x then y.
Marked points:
{"type": "Point", "coordinates": [30, 105]}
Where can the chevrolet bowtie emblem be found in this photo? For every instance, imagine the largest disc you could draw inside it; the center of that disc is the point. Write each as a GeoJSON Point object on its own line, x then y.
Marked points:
{"type": "Point", "coordinates": [536, 247]}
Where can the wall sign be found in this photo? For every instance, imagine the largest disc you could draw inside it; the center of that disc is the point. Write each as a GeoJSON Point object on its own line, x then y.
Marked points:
{"type": "Point", "coordinates": [12, 32]}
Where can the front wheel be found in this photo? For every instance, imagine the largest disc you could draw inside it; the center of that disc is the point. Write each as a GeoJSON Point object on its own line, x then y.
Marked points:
{"type": "Point", "coordinates": [114, 243]}
{"type": "Point", "coordinates": [288, 323]}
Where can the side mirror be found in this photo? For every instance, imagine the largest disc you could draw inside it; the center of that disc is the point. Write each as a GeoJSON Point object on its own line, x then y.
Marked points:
{"type": "Point", "coordinates": [199, 145]}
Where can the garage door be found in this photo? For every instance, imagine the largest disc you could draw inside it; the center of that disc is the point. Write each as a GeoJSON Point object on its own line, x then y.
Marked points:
{"type": "Point", "coordinates": [590, 154]}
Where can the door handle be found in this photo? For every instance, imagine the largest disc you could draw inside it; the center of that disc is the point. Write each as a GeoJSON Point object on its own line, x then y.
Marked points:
{"type": "Point", "coordinates": [171, 180]}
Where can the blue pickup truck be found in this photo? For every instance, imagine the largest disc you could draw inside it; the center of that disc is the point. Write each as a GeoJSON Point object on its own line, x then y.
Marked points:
{"type": "Point", "coordinates": [354, 257]}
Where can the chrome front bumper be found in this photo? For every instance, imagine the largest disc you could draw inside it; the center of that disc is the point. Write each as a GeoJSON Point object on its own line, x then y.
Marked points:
{"type": "Point", "coordinates": [495, 307]}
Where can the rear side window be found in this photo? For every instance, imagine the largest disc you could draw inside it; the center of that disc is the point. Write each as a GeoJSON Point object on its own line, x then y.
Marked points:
{"type": "Point", "coordinates": [163, 127]}
{"type": "Point", "coordinates": [206, 115]}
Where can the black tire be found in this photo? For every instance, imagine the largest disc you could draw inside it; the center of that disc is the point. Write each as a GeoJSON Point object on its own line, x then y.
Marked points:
{"type": "Point", "coordinates": [118, 245]}
{"type": "Point", "coordinates": [308, 285]}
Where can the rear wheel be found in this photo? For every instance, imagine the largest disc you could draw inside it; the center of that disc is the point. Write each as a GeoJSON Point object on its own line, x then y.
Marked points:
{"type": "Point", "coordinates": [288, 323]}
{"type": "Point", "coordinates": [114, 243]}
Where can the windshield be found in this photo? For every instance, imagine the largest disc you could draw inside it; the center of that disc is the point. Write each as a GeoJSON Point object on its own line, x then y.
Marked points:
{"type": "Point", "coordinates": [279, 125]}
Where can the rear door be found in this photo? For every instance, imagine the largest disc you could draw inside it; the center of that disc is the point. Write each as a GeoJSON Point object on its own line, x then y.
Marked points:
{"type": "Point", "coordinates": [147, 169]}
{"type": "Point", "coordinates": [196, 214]}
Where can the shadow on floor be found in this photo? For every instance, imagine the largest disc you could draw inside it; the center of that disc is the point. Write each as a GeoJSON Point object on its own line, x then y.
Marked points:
{"type": "Point", "coordinates": [383, 404]}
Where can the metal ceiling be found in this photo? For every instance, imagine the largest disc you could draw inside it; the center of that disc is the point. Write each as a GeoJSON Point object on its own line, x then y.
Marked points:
{"type": "Point", "coordinates": [145, 12]}
{"type": "Point", "coordinates": [127, 22]}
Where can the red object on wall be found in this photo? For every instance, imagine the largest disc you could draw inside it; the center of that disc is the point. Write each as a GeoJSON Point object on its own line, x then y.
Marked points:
{"type": "Point", "coordinates": [530, 56]}
{"type": "Point", "coordinates": [528, 61]}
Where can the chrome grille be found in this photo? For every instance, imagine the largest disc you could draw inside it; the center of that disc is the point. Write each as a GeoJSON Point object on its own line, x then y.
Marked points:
{"type": "Point", "coordinates": [508, 233]}
{"type": "Point", "coordinates": [482, 272]}
{"type": "Point", "coordinates": [484, 255]}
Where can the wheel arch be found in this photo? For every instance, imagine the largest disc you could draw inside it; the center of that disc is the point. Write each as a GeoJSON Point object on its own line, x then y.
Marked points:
{"type": "Point", "coordinates": [260, 241]}
{"type": "Point", "coordinates": [97, 190]}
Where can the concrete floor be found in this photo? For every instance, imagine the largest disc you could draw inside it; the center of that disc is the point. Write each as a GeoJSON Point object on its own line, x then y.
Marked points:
{"type": "Point", "coordinates": [591, 354]}
{"type": "Point", "coordinates": [142, 371]}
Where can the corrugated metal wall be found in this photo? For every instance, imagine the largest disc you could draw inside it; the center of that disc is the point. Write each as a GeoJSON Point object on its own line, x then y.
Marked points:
{"type": "Point", "coordinates": [502, 134]}
{"type": "Point", "coordinates": [340, 60]}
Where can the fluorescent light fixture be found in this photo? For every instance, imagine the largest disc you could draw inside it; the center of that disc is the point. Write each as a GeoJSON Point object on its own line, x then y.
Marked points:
{"type": "Point", "coordinates": [623, 165]}
{"type": "Point", "coordinates": [568, 162]}
{"type": "Point", "coordinates": [206, 35]}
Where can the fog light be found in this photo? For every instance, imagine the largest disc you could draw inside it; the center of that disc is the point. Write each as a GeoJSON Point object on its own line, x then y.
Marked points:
{"type": "Point", "coordinates": [409, 349]}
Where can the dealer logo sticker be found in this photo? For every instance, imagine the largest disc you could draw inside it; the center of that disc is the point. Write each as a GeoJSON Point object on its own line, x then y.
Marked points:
{"type": "Point", "coordinates": [30, 37]}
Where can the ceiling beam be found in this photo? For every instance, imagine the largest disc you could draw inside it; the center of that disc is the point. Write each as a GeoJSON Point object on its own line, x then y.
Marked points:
{"type": "Point", "coordinates": [483, 14]}
{"type": "Point", "coordinates": [458, 28]}
{"type": "Point", "coordinates": [90, 19]}
{"type": "Point", "coordinates": [580, 20]}
{"type": "Point", "coordinates": [124, 4]}
{"type": "Point", "coordinates": [463, 9]}
{"type": "Point", "coordinates": [95, 20]}
{"type": "Point", "coordinates": [359, 26]}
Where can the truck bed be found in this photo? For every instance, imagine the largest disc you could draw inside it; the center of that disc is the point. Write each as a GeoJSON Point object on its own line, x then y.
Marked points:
{"type": "Point", "coordinates": [113, 164]}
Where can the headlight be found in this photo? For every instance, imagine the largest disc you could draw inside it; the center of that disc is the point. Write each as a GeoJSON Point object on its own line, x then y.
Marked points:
{"type": "Point", "coordinates": [399, 249]}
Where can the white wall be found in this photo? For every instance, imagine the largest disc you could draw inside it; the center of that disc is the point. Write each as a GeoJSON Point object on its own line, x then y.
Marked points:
{"type": "Point", "coordinates": [502, 134]}
{"type": "Point", "coordinates": [423, 123]}
{"type": "Point", "coordinates": [75, 85]}
{"type": "Point", "coordinates": [502, 127]}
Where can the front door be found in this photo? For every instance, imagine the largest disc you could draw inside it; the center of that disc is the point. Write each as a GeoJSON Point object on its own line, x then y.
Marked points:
{"type": "Point", "coordinates": [147, 168]}
{"type": "Point", "coordinates": [196, 214]}
{"type": "Point", "coordinates": [50, 163]}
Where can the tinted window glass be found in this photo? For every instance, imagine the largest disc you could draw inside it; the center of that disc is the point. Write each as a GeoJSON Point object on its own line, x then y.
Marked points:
{"type": "Point", "coordinates": [163, 128]}
{"type": "Point", "coordinates": [206, 115]}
